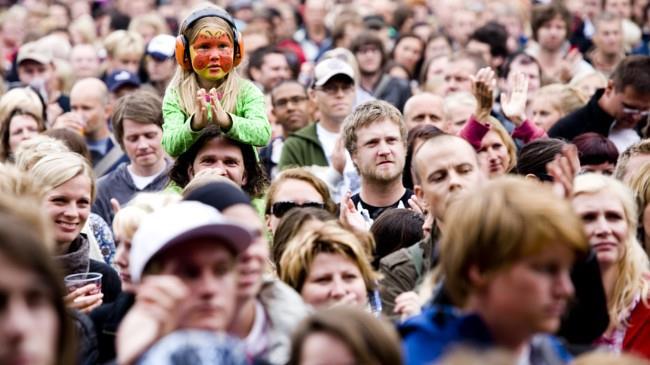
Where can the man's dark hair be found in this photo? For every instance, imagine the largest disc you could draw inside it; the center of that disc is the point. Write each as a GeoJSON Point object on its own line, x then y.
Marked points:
{"type": "Point", "coordinates": [543, 14]}
{"type": "Point", "coordinates": [633, 71]}
{"type": "Point", "coordinates": [368, 39]}
{"type": "Point", "coordinates": [519, 57]}
{"type": "Point", "coordinates": [495, 35]}
{"type": "Point", "coordinates": [256, 181]}
{"type": "Point", "coordinates": [256, 59]}
{"type": "Point", "coordinates": [285, 82]}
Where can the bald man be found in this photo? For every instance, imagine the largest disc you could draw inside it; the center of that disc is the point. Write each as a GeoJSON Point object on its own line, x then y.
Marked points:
{"type": "Point", "coordinates": [424, 108]}
{"type": "Point", "coordinates": [89, 101]}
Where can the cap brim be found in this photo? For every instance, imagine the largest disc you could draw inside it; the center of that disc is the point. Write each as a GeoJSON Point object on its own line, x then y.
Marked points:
{"type": "Point", "coordinates": [323, 80]}
{"type": "Point", "coordinates": [159, 56]}
{"type": "Point", "coordinates": [122, 84]}
{"type": "Point", "coordinates": [41, 60]}
{"type": "Point", "coordinates": [234, 237]}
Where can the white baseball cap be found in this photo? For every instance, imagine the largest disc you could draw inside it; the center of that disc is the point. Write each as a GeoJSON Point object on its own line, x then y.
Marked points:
{"type": "Point", "coordinates": [326, 69]}
{"type": "Point", "coordinates": [181, 223]}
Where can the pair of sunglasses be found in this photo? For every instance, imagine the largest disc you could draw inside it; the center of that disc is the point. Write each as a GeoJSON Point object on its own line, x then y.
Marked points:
{"type": "Point", "coordinates": [281, 208]}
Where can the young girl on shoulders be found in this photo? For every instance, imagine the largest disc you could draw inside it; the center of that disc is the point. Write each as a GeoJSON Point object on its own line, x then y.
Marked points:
{"type": "Point", "coordinates": [206, 88]}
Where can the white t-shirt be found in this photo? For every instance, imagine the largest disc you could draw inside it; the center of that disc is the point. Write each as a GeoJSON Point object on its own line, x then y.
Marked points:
{"type": "Point", "coordinates": [141, 182]}
{"type": "Point", "coordinates": [257, 342]}
{"type": "Point", "coordinates": [623, 138]}
{"type": "Point", "coordinates": [351, 180]}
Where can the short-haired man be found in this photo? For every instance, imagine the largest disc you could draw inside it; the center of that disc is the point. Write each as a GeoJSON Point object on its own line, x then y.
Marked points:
{"type": "Point", "coordinates": [375, 136]}
{"type": "Point", "coordinates": [444, 167]}
{"type": "Point", "coordinates": [490, 41]}
{"type": "Point", "coordinates": [370, 54]}
{"type": "Point", "coordinates": [184, 260]}
{"type": "Point", "coordinates": [424, 108]}
{"type": "Point", "coordinates": [608, 49]}
{"type": "Point", "coordinates": [615, 111]}
{"type": "Point", "coordinates": [124, 51]}
{"type": "Point", "coordinates": [85, 61]}
{"type": "Point", "coordinates": [137, 127]}
{"type": "Point", "coordinates": [631, 160]}
{"type": "Point", "coordinates": [292, 110]}
{"type": "Point", "coordinates": [35, 66]}
{"type": "Point", "coordinates": [91, 109]}
{"type": "Point", "coordinates": [497, 240]}
{"type": "Point", "coordinates": [320, 143]}
{"type": "Point", "coordinates": [268, 66]}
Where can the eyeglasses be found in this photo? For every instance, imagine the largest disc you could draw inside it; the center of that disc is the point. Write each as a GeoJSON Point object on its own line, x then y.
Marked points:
{"type": "Point", "coordinates": [281, 103]}
{"type": "Point", "coordinates": [280, 208]}
{"type": "Point", "coordinates": [333, 89]}
{"type": "Point", "coordinates": [639, 112]}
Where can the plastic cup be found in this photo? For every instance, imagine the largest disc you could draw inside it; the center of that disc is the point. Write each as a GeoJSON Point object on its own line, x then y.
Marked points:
{"type": "Point", "coordinates": [76, 281]}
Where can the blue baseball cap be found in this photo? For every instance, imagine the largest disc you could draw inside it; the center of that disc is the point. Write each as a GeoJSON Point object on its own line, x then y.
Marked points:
{"type": "Point", "coordinates": [120, 78]}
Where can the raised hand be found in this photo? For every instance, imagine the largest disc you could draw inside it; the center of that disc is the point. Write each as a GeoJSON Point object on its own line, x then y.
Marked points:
{"type": "Point", "coordinates": [514, 105]}
{"type": "Point", "coordinates": [338, 155]}
{"type": "Point", "coordinates": [483, 85]}
{"type": "Point", "coordinates": [349, 216]}
{"type": "Point", "coordinates": [569, 64]}
{"type": "Point", "coordinates": [564, 169]}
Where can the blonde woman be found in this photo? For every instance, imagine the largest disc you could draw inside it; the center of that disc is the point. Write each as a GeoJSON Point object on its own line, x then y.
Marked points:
{"type": "Point", "coordinates": [69, 186]}
{"type": "Point", "coordinates": [329, 266]}
{"type": "Point", "coordinates": [608, 212]}
{"type": "Point", "coordinates": [554, 101]}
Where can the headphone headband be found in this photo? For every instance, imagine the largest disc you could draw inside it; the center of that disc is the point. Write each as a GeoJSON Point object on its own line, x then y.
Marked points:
{"type": "Point", "coordinates": [209, 12]}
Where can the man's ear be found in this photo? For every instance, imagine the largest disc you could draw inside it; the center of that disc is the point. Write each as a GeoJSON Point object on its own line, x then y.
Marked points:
{"type": "Point", "coordinates": [477, 278]}
{"type": "Point", "coordinates": [244, 178]}
{"type": "Point", "coordinates": [417, 189]}
{"type": "Point", "coordinates": [255, 73]}
{"type": "Point", "coordinates": [190, 172]}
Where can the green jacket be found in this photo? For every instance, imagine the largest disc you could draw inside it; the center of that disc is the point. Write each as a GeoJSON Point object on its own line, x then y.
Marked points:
{"type": "Point", "coordinates": [302, 148]}
{"type": "Point", "coordinates": [249, 122]}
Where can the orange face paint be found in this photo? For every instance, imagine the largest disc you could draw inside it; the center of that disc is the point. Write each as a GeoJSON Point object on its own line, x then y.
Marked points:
{"type": "Point", "coordinates": [211, 54]}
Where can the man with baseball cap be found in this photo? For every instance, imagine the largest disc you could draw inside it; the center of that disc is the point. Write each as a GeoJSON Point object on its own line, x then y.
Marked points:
{"type": "Point", "coordinates": [122, 82]}
{"type": "Point", "coordinates": [320, 143]}
{"type": "Point", "coordinates": [35, 65]}
{"type": "Point", "coordinates": [159, 62]}
{"type": "Point", "coordinates": [184, 261]}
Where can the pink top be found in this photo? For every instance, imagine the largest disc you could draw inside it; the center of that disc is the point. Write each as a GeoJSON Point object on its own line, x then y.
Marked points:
{"type": "Point", "coordinates": [473, 132]}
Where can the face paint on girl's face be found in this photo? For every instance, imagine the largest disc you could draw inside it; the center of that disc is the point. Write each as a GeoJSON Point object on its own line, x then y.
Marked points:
{"type": "Point", "coordinates": [212, 54]}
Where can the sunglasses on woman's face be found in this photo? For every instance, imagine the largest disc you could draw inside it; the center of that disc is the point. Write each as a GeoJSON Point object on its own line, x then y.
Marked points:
{"type": "Point", "coordinates": [280, 208]}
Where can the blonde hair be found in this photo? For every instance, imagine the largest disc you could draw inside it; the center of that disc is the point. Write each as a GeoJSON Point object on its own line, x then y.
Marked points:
{"type": "Point", "coordinates": [22, 98]}
{"type": "Point", "coordinates": [56, 169]}
{"type": "Point", "coordinates": [19, 194]}
{"type": "Point", "coordinates": [121, 42]}
{"type": "Point", "coordinates": [563, 98]}
{"type": "Point", "coordinates": [84, 26]}
{"type": "Point", "coordinates": [505, 137]}
{"type": "Point", "coordinates": [503, 222]}
{"type": "Point", "coordinates": [185, 81]}
{"type": "Point", "coordinates": [127, 220]}
{"type": "Point", "coordinates": [153, 20]}
{"type": "Point", "coordinates": [634, 264]}
{"type": "Point", "coordinates": [32, 150]}
{"type": "Point", "coordinates": [640, 185]}
{"type": "Point", "coordinates": [301, 252]}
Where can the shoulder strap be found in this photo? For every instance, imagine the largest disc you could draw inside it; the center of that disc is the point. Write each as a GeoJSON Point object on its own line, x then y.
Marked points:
{"type": "Point", "coordinates": [109, 160]}
{"type": "Point", "coordinates": [383, 83]}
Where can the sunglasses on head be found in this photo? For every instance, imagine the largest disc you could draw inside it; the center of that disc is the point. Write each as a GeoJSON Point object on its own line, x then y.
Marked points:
{"type": "Point", "coordinates": [280, 208]}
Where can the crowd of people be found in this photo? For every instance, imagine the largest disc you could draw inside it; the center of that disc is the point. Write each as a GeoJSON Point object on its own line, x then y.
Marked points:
{"type": "Point", "coordinates": [325, 182]}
